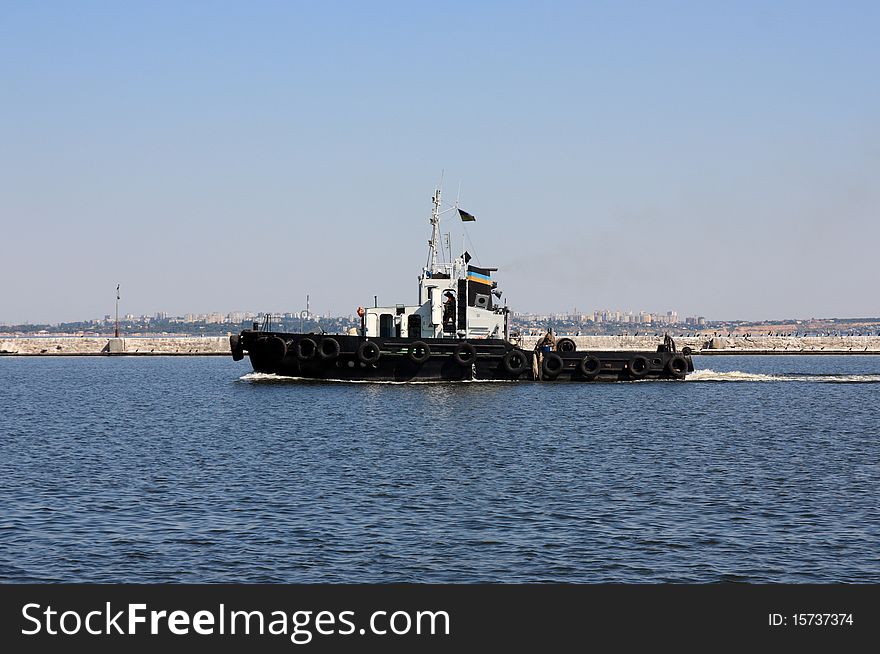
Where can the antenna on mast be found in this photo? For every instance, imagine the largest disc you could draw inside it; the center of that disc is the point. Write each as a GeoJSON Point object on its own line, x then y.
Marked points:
{"type": "Point", "coordinates": [435, 226]}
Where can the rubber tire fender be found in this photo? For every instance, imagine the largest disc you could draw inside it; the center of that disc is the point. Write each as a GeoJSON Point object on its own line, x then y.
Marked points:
{"type": "Point", "coordinates": [590, 366]}
{"type": "Point", "coordinates": [276, 348]}
{"type": "Point", "coordinates": [566, 345]}
{"type": "Point", "coordinates": [508, 362]}
{"type": "Point", "coordinates": [305, 349]}
{"type": "Point", "coordinates": [368, 352]}
{"type": "Point", "coordinates": [677, 367]}
{"type": "Point", "coordinates": [273, 347]}
{"type": "Point", "coordinates": [551, 371]}
{"type": "Point", "coordinates": [638, 366]}
{"type": "Point", "coordinates": [416, 346]}
{"type": "Point", "coordinates": [235, 347]}
{"type": "Point", "coordinates": [465, 354]}
{"type": "Point", "coordinates": [332, 352]}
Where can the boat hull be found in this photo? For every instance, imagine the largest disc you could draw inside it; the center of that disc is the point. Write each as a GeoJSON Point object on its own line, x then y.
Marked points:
{"type": "Point", "coordinates": [355, 358]}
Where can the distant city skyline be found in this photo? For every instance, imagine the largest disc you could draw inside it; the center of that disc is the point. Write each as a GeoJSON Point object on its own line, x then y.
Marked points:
{"type": "Point", "coordinates": [599, 316]}
{"type": "Point", "coordinates": [718, 158]}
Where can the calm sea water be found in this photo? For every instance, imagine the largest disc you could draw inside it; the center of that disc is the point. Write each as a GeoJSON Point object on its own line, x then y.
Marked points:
{"type": "Point", "coordinates": [191, 470]}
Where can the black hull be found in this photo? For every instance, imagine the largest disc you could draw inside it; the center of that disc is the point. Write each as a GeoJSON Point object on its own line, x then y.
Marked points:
{"type": "Point", "coordinates": [355, 358]}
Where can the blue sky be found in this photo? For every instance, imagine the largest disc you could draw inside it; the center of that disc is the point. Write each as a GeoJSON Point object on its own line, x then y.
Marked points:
{"type": "Point", "coordinates": [718, 158]}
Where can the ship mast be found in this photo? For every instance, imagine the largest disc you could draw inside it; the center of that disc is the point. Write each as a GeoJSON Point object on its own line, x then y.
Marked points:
{"type": "Point", "coordinates": [435, 232]}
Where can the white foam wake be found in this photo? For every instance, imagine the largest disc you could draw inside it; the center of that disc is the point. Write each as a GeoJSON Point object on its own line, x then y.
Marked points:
{"type": "Point", "coordinates": [710, 375]}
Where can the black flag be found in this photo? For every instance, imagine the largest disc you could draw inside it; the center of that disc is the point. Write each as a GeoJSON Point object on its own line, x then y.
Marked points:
{"type": "Point", "coordinates": [466, 217]}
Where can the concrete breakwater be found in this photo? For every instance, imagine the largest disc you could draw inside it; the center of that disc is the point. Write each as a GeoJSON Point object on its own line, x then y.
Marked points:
{"type": "Point", "coordinates": [219, 345]}
{"type": "Point", "coordinates": [730, 345]}
{"type": "Point", "coordinates": [96, 346]}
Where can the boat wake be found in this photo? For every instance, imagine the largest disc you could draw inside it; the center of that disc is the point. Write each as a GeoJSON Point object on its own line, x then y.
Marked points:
{"type": "Point", "coordinates": [264, 377]}
{"type": "Point", "coordinates": [709, 375]}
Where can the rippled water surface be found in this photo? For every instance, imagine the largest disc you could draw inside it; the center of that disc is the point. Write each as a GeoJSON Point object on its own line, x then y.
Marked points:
{"type": "Point", "coordinates": [191, 470]}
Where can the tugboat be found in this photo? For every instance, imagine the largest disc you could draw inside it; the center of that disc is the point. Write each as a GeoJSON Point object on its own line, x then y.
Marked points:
{"type": "Point", "coordinates": [457, 331]}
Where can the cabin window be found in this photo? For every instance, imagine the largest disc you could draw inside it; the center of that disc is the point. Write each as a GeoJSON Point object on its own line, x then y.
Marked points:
{"type": "Point", "coordinates": [414, 326]}
{"type": "Point", "coordinates": [386, 325]}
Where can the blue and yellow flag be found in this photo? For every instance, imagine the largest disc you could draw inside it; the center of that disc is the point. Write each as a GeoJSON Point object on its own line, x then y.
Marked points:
{"type": "Point", "coordinates": [478, 275]}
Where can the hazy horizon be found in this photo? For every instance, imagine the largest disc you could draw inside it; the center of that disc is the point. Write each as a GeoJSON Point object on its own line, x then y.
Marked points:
{"type": "Point", "coordinates": [720, 160]}
{"type": "Point", "coordinates": [319, 313]}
